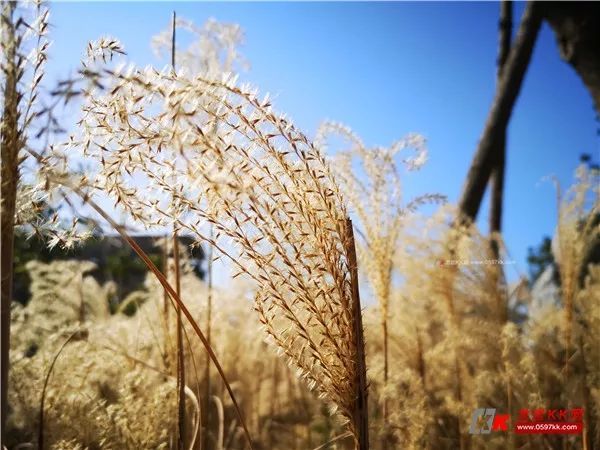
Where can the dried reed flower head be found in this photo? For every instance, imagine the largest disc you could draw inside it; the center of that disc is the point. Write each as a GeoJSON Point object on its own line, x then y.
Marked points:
{"type": "Point", "coordinates": [28, 120]}
{"type": "Point", "coordinates": [104, 48]}
{"type": "Point", "coordinates": [175, 150]}
{"type": "Point", "coordinates": [370, 178]}
{"type": "Point", "coordinates": [23, 54]}
{"type": "Point", "coordinates": [577, 236]}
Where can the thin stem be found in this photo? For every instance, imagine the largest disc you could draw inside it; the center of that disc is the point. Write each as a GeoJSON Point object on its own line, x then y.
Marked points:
{"type": "Point", "coordinates": [180, 352]}
{"type": "Point", "coordinates": [384, 435]}
{"type": "Point", "coordinates": [45, 386]}
{"type": "Point", "coordinates": [208, 332]}
{"type": "Point", "coordinates": [332, 440]}
{"type": "Point", "coordinates": [166, 272]}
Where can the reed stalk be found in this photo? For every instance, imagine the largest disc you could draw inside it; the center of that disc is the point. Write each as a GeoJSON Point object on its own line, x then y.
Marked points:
{"type": "Point", "coordinates": [361, 411]}
{"type": "Point", "coordinates": [180, 349]}
{"type": "Point", "coordinates": [208, 333]}
{"type": "Point", "coordinates": [11, 145]}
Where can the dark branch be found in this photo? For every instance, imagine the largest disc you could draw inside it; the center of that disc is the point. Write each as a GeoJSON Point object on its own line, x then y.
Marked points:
{"type": "Point", "coordinates": [497, 176]}
{"type": "Point", "coordinates": [507, 92]}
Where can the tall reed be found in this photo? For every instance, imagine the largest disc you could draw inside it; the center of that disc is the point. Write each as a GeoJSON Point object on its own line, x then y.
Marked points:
{"type": "Point", "coordinates": [371, 180]}
{"type": "Point", "coordinates": [212, 152]}
{"type": "Point", "coordinates": [23, 48]}
{"type": "Point", "coordinates": [11, 143]}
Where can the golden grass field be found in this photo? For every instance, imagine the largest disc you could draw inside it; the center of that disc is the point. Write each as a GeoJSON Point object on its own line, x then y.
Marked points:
{"type": "Point", "coordinates": [284, 355]}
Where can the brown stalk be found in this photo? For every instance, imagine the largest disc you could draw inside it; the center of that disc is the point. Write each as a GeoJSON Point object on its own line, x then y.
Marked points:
{"type": "Point", "coordinates": [180, 353]}
{"type": "Point", "coordinates": [166, 304]}
{"type": "Point", "coordinates": [208, 332]}
{"type": "Point", "coordinates": [11, 144]}
{"type": "Point", "coordinates": [197, 434]}
{"type": "Point", "coordinates": [360, 412]}
{"type": "Point", "coordinates": [385, 435]}
{"type": "Point", "coordinates": [166, 272]}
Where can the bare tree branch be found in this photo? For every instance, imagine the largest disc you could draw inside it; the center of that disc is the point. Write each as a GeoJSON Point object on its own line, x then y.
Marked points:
{"type": "Point", "coordinates": [497, 176]}
{"type": "Point", "coordinates": [507, 92]}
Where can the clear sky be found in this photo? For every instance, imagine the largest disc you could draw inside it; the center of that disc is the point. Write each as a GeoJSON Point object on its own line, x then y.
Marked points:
{"type": "Point", "coordinates": [386, 69]}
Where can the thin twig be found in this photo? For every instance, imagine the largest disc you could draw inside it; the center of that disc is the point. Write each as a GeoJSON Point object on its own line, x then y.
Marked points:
{"type": "Point", "coordinates": [45, 386]}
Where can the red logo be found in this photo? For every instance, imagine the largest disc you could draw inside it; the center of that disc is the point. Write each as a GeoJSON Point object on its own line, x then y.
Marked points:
{"type": "Point", "coordinates": [534, 421]}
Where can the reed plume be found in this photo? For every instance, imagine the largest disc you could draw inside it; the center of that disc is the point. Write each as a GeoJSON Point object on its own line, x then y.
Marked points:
{"type": "Point", "coordinates": [205, 151]}
{"type": "Point", "coordinates": [371, 180]}
{"type": "Point", "coordinates": [576, 233]}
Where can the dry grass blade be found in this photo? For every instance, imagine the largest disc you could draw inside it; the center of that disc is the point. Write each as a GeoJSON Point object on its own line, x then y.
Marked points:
{"type": "Point", "coordinates": [221, 416]}
{"type": "Point", "coordinates": [333, 440]}
{"type": "Point", "coordinates": [45, 386]}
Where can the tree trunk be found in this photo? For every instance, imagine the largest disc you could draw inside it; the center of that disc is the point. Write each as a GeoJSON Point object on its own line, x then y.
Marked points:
{"type": "Point", "coordinates": [576, 26]}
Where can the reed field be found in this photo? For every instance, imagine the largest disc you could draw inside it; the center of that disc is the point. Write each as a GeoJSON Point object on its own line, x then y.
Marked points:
{"type": "Point", "coordinates": [353, 317]}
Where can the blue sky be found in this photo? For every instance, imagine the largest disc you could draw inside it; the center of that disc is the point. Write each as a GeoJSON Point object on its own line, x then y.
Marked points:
{"type": "Point", "coordinates": [386, 69]}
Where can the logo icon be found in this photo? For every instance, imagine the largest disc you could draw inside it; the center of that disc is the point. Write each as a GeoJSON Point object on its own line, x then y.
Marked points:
{"type": "Point", "coordinates": [485, 420]}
